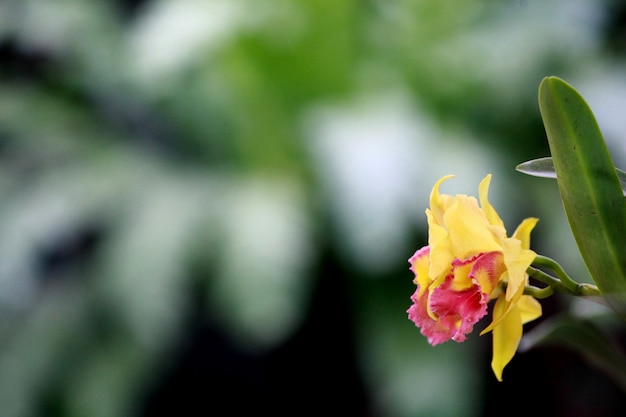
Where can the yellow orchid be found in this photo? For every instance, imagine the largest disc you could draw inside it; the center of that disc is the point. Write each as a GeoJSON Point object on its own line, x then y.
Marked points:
{"type": "Point", "coordinates": [468, 261]}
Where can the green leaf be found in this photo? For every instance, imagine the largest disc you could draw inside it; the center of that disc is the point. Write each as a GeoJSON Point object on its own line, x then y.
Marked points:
{"type": "Point", "coordinates": [589, 187]}
{"type": "Point", "coordinates": [544, 168]}
{"type": "Point", "coordinates": [584, 337]}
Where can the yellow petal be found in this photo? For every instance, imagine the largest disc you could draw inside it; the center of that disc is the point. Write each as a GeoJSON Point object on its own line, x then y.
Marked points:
{"type": "Point", "coordinates": [506, 337]}
{"type": "Point", "coordinates": [523, 231]}
{"type": "Point", "coordinates": [438, 202]}
{"type": "Point", "coordinates": [517, 261]}
{"type": "Point", "coordinates": [436, 283]}
{"type": "Point", "coordinates": [529, 308]}
{"type": "Point", "coordinates": [441, 254]}
{"type": "Point", "coordinates": [461, 280]}
{"type": "Point", "coordinates": [499, 233]}
{"type": "Point", "coordinates": [420, 264]}
{"type": "Point", "coordinates": [490, 212]}
{"type": "Point", "coordinates": [487, 270]}
{"type": "Point", "coordinates": [505, 308]}
{"type": "Point", "coordinates": [468, 229]}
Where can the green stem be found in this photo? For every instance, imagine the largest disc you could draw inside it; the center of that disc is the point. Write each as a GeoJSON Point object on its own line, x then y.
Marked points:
{"type": "Point", "coordinates": [563, 283]}
{"type": "Point", "coordinates": [537, 292]}
{"type": "Point", "coordinates": [553, 265]}
{"type": "Point", "coordinates": [547, 279]}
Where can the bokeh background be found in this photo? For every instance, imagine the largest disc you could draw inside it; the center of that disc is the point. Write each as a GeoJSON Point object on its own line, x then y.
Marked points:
{"type": "Point", "coordinates": [207, 206]}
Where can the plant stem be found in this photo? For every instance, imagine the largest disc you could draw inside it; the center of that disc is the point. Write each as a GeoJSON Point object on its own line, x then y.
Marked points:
{"type": "Point", "coordinates": [564, 283]}
{"type": "Point", "coordinates": [547, 279]}
{"type": "Point", "coordinates": [537, 292]}
{"type": "Point", "coordinates": [558, 270]}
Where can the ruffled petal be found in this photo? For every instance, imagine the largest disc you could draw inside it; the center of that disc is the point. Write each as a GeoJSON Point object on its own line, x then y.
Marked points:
{"type": "Point", "coordinates": [487, 270]}
{"type": "Point", "coordinates": [419, 265]}
{"type": "Point", "coordinates": [435, 331]}
{"type": "Point", "coordinates": [458, 311]}
{"type": "Point", "coordinates": [461, 270]}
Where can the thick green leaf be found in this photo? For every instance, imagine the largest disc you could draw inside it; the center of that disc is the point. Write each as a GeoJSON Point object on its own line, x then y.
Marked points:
{"type": "Point", "coordinates": [589, 187]}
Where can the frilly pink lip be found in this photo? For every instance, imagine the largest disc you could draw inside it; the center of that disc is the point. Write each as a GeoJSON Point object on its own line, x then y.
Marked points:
{"type": "Point", "coordinates": [456, 311]}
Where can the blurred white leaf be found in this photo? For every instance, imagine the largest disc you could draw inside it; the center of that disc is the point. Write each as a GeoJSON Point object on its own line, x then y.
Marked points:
{"type": "Point", "coordinates": [377, 160]}
{"type": "Point", "coordinates": [261, 291]}
{"type": "Point", "coordinates": [170, 34]}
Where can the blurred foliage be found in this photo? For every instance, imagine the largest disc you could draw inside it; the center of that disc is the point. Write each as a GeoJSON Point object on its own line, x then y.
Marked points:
{"type": "Point", "coordinates": [234, 164]}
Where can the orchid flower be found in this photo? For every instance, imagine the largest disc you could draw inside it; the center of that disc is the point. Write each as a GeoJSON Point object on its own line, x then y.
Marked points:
{"type": "Point", "coordinates": [469, 261]}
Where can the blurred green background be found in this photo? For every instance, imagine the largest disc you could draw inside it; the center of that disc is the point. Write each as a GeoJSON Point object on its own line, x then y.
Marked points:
{"type": "Point", "coordinates": [207, 207]}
